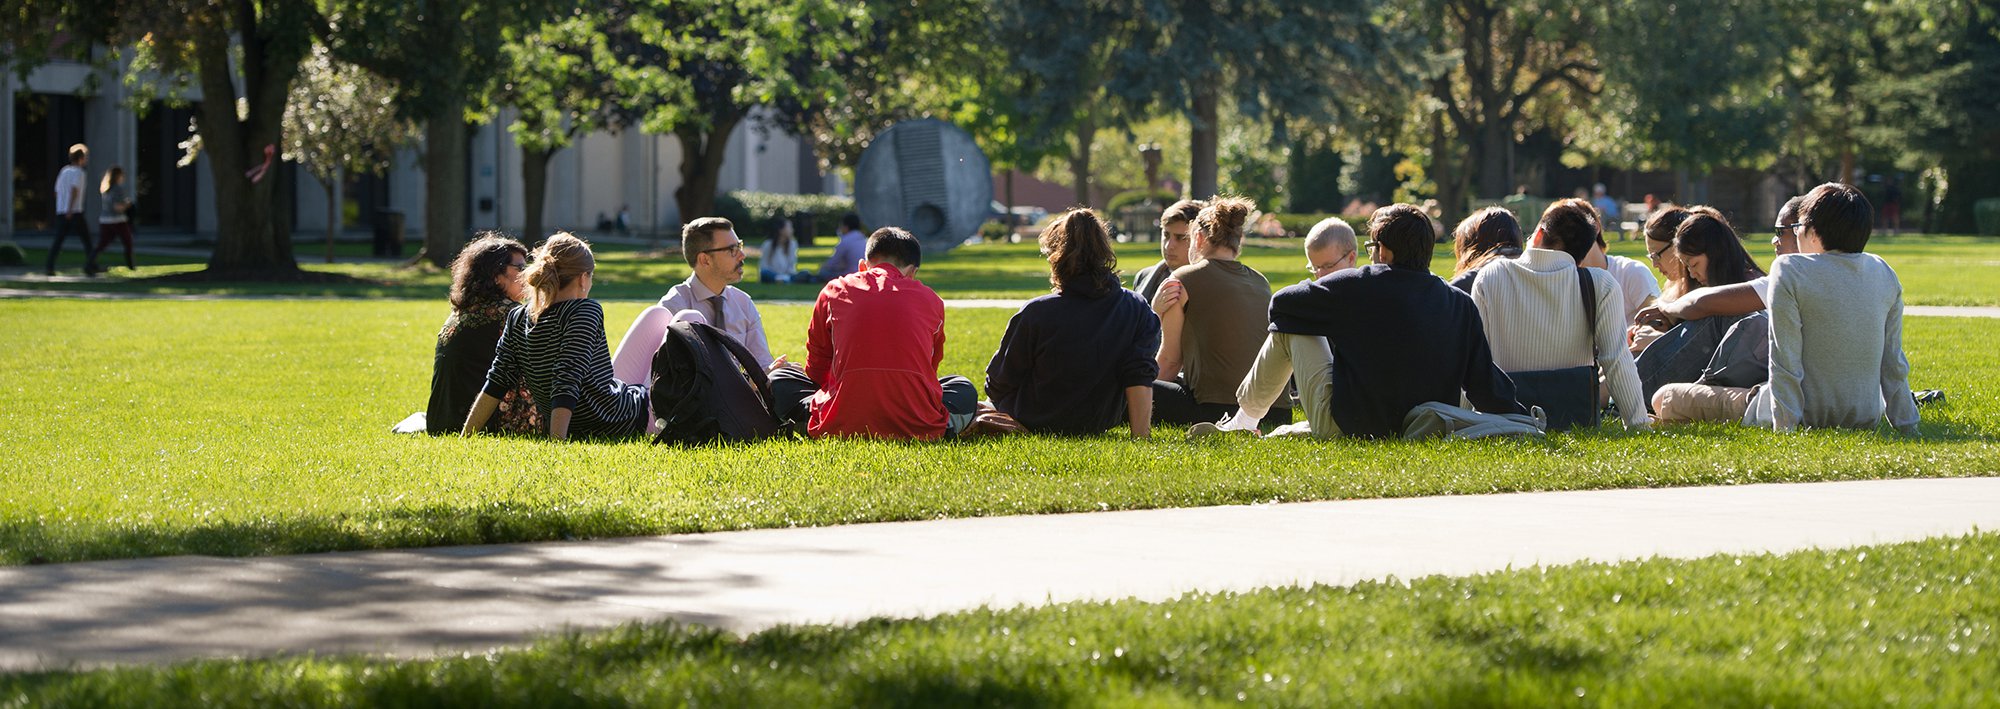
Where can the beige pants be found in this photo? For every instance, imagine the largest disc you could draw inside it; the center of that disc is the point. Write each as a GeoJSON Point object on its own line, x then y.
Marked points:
{"type": "Point", "coordinates": [1308, 356]}
{"type": "Point", "coordinates": [1682, 403]}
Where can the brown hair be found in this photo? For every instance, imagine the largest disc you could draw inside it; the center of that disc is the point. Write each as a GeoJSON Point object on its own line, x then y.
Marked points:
{"type": "Point", "coordinates": [1182, 212]}
{"type": "Point", "coordinates": [1660, 227]}
{"type": "Point", "coordinates": [1221, 221]}
{"type": "Point", "coordinates": [478, 265]}
{"type": "Point", "coordinates": [1081, 262]}
{"type": "Point", "coordinates": [698, 235]}
{"type": "Point", "coordinates": [1407, 231]}
{"type": "Point", "coordinates": [1573, 224]}
{"type": "Point", "coordinates": [558, 262]}
{"type": "Point", "coordinates": [1488, 234]}
{"type": "Point", "coordinates": [112, 176]}
{"type": "Point", "coordinates": [1707, 232]}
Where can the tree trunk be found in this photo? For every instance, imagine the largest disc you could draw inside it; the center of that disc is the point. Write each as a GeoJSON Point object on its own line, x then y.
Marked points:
{"type": "Point", "coordinates": [248, 239]}
{"type": "Point", "coordinates": [333, 188]}
{"type": "Point", "coordinates": [1494, 138]}
{"type": "Point", "coordinates": [1450, 181]}
{"type": "Point", "coordinates": [701, 166]}
{"type": "Point", "coordinates": [1079, 161]}
{"type": "Point", "coordinates": [534, 189]}
{"type": "Point", "coordinates": [1202, 144]}
{"type": "Point", "coordinates": [444, 184]}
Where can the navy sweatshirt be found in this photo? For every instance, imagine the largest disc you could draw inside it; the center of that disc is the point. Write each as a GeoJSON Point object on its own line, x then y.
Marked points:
{"type": "Point", "coordinates": [1401, 337]}
{"type": "Point", "coordinates": [1066, 360]}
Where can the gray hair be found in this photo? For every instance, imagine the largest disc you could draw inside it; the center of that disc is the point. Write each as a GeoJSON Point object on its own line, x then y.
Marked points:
{"type": "Point", "coordinates": [1328, 232]}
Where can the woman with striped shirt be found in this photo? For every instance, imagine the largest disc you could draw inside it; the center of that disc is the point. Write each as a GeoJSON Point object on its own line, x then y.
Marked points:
{"type": "Point", "coordinates": [556, 344]}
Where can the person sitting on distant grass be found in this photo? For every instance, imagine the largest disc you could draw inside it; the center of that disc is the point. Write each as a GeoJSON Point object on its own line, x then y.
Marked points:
{"type": "Point", "coordinates": [1174, 225]}
{"type": "Point", "coordinates": [555, 346]}
{"type": "Point", "coordinates": [873, 348]}
{"type": "Point", "coordinates": [485, 287]}
{"type": "Point", "coordinates": [1079, 360]}
{"type": "Point", "coordinates": [1369, 344]}
{"type": "Point", "coordinates": [1213, 315]}
{"type": "Point", "coordinates": [851, 249]}
{"type": "Point", "coordinates": [778, 261]}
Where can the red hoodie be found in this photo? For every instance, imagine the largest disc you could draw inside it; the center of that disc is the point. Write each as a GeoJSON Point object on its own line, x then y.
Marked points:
{"type": "Point", "coordinates": [874, 346]}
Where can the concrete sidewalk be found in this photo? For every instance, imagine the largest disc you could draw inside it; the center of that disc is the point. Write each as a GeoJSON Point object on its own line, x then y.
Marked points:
{"type": "Point", "coordinates": [419, 602]}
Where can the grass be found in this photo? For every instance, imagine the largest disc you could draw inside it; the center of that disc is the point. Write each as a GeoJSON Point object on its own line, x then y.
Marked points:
{"type": "Point", "coordinates": [1935, 270]}
{"type": "Point", "coordinates": [150, 428]}
{"type": "Point", "coordinates": [1904, 624]}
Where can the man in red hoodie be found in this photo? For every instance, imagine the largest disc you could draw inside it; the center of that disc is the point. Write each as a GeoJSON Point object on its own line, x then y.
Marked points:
{"type": "Point", "coordinates": [872, 354]}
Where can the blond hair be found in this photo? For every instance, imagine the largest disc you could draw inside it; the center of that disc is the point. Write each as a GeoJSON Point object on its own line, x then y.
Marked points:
{"type": "Point", "coordinates": [1221, 221]}
{"type": "Point", "coordinates": [557, 263]}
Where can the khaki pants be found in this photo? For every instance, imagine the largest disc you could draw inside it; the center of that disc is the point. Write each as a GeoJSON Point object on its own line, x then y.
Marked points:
{"type": "Point", "coordinates": [1682, 403]}
{"type": "Point", "coordinates": [1310, 357]}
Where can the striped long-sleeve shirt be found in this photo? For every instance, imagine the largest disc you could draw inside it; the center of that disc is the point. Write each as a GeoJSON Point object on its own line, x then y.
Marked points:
{"type": "Point", "coordinates": [564, 359]}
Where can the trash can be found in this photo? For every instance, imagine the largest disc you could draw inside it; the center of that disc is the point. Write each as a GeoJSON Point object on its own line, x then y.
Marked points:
{"type": "Point", "coordinates": [388, 233]}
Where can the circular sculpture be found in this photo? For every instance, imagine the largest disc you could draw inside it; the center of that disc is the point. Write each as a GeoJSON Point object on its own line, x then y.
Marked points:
{"type": "Point", "coordinates": [926, 176]}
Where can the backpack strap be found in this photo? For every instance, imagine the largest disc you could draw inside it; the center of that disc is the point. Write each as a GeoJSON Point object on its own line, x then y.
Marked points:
{"type": "Point", "coordinates": [1585, 284]}
{"type": "Point", "coordinates": [750, 366]}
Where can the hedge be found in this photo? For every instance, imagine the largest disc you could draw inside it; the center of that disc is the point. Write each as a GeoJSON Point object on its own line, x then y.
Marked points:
{"type": "Point", "coordinates": [752, 210]}
{"type": "Point", "coordinates": [1986, 216]}
{"type": "Point", "coordinates": [1297, 225]}
{"type": "Point", "coordinates": [11, 254]}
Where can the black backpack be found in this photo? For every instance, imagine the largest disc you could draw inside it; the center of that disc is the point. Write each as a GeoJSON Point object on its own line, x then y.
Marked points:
{"type": "Point", "coordinates": [708, 387]}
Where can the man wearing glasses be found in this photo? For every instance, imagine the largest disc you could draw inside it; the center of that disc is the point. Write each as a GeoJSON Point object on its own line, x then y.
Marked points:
{"type": "Point", "coordinates": [716, 256]}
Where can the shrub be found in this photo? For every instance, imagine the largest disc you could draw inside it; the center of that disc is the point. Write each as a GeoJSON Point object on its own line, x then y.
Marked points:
{"type": "Point", "coordinates": [1986, 215]}
{"type": "Point", "coordinates": [11, 254]}
{"type": "Point", "coordinates": [993, 231]}
{"type": "Point", "coordinates": [1130, 198]}
{"type": "Point", "coordinates": [1296, 225]}
{"type": "Point", "coordinates": [752, 210]}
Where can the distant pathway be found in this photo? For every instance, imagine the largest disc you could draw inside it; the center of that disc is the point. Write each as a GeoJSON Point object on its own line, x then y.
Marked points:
{"type": "Point", "coordinates": [429, 601]}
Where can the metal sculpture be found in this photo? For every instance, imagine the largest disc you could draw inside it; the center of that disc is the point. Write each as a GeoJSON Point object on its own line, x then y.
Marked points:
{"type": "Point", "coordinates": [926, 176]}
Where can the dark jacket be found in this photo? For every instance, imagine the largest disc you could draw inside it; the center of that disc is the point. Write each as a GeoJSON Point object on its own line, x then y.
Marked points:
{"type": "Point", "coordinates": [458, 370]}
{"type": "Point", "coordinates": [1401, 337]}
{"type": "Point", "coordinates": [1066, 360]}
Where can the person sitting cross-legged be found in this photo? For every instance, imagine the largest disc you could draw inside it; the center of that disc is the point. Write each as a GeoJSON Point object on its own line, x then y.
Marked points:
{"type": "Point", "coordinates": [715, 255]}
{"type": "Point", "coordinates": [872, 354]}
{"type": "Point", "coordinates": [1369, 344]}
{"type": "Point", "coordinates": [1213, 315]}
{"type": "Point", "coordinates": [1081, 359]}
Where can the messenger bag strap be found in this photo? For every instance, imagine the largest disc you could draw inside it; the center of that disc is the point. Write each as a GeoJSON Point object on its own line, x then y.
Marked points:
{"type": "Point", "coordinates": [1589, 289]}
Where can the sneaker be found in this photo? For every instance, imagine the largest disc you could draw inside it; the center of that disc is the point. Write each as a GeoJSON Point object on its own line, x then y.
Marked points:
{"type": "Point", "coordinates": [1208, 430]}
{"type": "Point", "coordinates": [1930, 396]}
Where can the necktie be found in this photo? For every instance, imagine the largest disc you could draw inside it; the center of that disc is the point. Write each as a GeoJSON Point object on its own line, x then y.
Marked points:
{"type": "Point", "coordinates": [715, 304]}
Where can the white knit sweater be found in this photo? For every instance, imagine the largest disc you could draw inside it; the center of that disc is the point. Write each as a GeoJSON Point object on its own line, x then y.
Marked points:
{"type": "Point", "coordinates": [1533, 314]}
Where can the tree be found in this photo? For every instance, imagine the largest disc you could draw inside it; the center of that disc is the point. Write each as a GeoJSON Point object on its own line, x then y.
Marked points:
{"type": "Point", "coordinates": [715, 63]}
{"type": "Point", "coordinates": [243, 54]}
{"type": "Point", "coordinates": [1274, 59]}
{"type": "Point", "coordinates": [1937, 99]}
{"type": "Point", "coordinates": [341, 121]}
{"type": "Point", "coordinates": [443, 57]}
{"type": "Point", "coordinates": [1064, 55]}
{"type": "Point", "coordinates": [565, 78]}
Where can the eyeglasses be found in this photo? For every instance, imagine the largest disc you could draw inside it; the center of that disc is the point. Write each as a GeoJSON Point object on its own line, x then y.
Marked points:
{"type": "Point", "coordinates": [517, 265]}
{"type": "Point", "coordinates": [1783, 228]}
{"type": "Point", "coordinates": [735, 249]}
{"type": "Point", "coordinates": [1372, 244]}
{"type": "Point", "coordinates": [1655, 255]}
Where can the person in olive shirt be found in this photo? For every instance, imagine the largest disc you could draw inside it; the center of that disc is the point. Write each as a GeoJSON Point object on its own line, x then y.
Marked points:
{"type": "Point", "coordinates": [1213, 316]}
{"type": "Point", "coordinates": [1174, 226]}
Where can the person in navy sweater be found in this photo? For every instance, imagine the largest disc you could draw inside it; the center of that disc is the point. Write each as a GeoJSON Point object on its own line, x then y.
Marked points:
{"type": "Point", "coordinates": [1079, 360]}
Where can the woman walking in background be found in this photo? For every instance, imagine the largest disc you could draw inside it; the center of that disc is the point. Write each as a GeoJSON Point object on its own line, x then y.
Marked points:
{"type": "Point", "coordinates": [116, 220]}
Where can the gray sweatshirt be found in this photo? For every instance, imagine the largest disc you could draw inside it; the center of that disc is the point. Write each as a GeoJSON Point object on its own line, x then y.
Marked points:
{"type": "Point", "coordinates": [1836, 345]}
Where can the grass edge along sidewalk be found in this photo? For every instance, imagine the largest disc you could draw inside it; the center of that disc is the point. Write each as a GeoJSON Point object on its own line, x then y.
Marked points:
{"type": "Point", "coordinates": [1898, 624]}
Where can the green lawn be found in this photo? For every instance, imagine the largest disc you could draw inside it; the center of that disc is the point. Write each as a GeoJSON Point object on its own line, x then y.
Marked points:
{"type": "Point", "coordinates": [146, 428]}
{"type": "Point", "coordinates": [1907, 624]}
{"type": "Point", "coordinates": [1935, 270]}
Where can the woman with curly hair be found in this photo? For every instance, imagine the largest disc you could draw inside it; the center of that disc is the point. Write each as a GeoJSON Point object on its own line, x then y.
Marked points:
{"type": "Point", "coordinates": [485, 285]}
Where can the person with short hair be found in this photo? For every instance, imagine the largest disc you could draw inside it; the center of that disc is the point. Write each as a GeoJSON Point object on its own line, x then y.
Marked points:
{"type": "Point", "coordinates": [1607, 208]}
{"type": "Point", "coordinates": [873, 348]}
{"type": "Point", "coordinates": [1174, 225]}
{"type": "Point", "coordinates": [1367, 345]}
{"type": "Point", "coordinates": [849, 252]}
{"type": "Point", "coordinates": [715, 256]}
{"type": "Point", "coordinates": [1836, 339]}
{"type": "Point", "coordinates": [69, 211]}
{"type": "Point", "coordinates": [485, 286]}
{"type": "Point", "coordinates": [1330, 248]}
{"type": "Point", "coordinates": [1487, 234]}
{"type": "Point", "coordinates": [554, 345]}
{"type": "Point", "coordinates": [1081, 359]}
{"type": "Point", "coordinates": [1532, 308]}
{"type": "Point", "coordinates": [1213, 315]}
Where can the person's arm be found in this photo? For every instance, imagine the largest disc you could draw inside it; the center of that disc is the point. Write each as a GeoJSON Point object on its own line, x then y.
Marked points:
{"type": "Point", "coordinates": [819, 337]}
{"type": "Point", "coordinates": [1139, 410]}
{"type": "Point", "coordinates": [1615, 360]}
{"type": "Point", "coordinates": [1012, 361]}
{"type": "Point", "coordinates": [1730, 300]}
{"type": "Point", "coordinates": [1902, 407]}
{"type": "Point", "coordinates": [481, 411]}
{"type": "Point", "coordinates": [559, 423]}
{"type": "Point", "coordinates": [753, 336]}
{"type": "Point", "coordinates": [1170, 305]}
{"type": "Point", "coordinates": [1787, 362]}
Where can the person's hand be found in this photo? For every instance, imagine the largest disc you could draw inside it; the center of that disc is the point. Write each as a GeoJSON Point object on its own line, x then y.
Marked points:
{"type": "Point", "coordinates": [1170, 296]}
{"type": "Point", "coordinates": [781, 363]}
{"type": "Point", "coordinates": [1654, 316]}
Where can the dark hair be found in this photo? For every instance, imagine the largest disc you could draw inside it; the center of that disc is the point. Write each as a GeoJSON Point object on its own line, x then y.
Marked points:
{"type": "Point", "coordinates": [114, 175]}
{"type": "Point", "coordinates": [850, 222]}
{"type": "Point", "coordinates": [1221, 221]}
{"type": "Point", "coordinates": [78, 152]}
{"type": "Point", "coordinates": [1791, 208]}
{"type": "Point", "coordinates": [1572, 223]}
{"type": "Point", "coordinates": [1840, 215]}
{"type": "Point", "coordinates": [479, 265]}
{"type": "Point", "coordinates": [776, 226]}
{"type": "Point", "coordinates": [895, 246]}
{"type": "Point", "coordinates": [1660, 227]}
{"type": "Point", "coordinates": [698, 235]}
{"type": "Point", "coordinates": [1488, 234]}
{"type": "Point", "coordinates": [1407, 231]}
{"type": "Point", "coordinates": [1182, 212]}
{"type": "Point", "coordinates": [1707, 232]}
{"type": "Point", "coordinates": [1081, 262]}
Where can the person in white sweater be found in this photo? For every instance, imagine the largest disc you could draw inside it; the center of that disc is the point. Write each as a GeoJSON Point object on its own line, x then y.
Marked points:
{"type": "Point", "coordinates": [1533, 311]}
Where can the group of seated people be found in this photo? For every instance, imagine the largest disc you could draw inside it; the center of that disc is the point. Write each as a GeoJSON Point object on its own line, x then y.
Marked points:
{"type": "Point", "coordinates": [1202, 340]}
